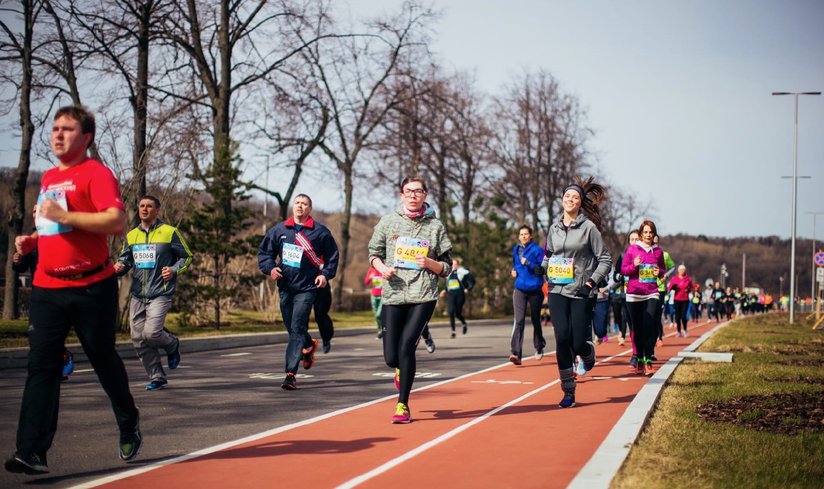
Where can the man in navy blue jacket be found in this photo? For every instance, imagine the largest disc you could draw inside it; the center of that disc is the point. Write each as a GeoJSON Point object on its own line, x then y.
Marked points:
{"type": "Point", "coordinates": [302, 256]}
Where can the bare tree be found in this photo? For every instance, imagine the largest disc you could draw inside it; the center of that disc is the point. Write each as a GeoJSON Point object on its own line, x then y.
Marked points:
{"type": "Point", "coordinates": [355, 76]}
{"type": "Point", "coordinates": [17, 48]}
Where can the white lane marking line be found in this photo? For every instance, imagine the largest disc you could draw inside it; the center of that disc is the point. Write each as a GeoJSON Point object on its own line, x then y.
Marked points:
{"type": "Point", "coordinates": [276, 376]}
{"type": "Point", "coordinates": [241, 354]}
{"type": "Point", "coordinates": [500, 382]}
{"type": "Point", "coordinates": [446, 436]}
{"type": "Point", "coordinates": [418, 375]}
{"type": "Point", "coordinates": [437, 441]}
{"type": "Point", "coordinates": [275, 431]}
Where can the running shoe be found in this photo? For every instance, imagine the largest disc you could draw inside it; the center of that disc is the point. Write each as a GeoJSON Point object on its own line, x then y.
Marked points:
{"type": "Point", "coordinates": [309, 355]}
{"type": "Point", "coordinates": [453, 334]}
{"type": "Point", "coordinates": [514, 359]}
{"type": "Point", "coordinates": [68, 364]}
{"type": "Point", "coordinates": [327, 347]}
{"type": "Point", "coordinates": [605, 339]}
{"type": "Point", "coordinates": [464, 329]}
{"type": "Point", "coordinates": [130, 443]}
{"type": "Point", "coordinates": [380, 335]}
{"type": "Point", "coordinates": [638, 369]}
{"type": "Point", "coordinates": [621, 341]}
{"type": "Point", "coordinates": [685, 335]}
{"type": "Point", "coordinates": [648, 368]}
{"type": "Point", "coordinates": [539, 354]}
{"type": "Point", "coordinates": [653, 358]}
{"type": "Point", "coordinates": [633, 362]}
{"type": "Point", "coordinates": [27, 464]}
{"type": "Point", "coordinates": [289, 383]}
{"type": "Point", "coordinates": [397, 379]}
{"type": "Point", "coordinates": [568, 401]}
{"type": "Point", "coordinates": [156, 384]}
{"type": "Point", "coordinates": [401, 415]}
{"type": "Point", "coordinates": [174, 356]}
{"type": "Point", "coordinates": [580, 370]}
{"type": "Point", "coordinates": [430, 345]}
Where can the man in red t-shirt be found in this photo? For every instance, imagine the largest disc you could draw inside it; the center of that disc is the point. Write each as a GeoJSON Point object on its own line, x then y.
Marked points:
{"type": "Point", "coordinates": [74, 285]}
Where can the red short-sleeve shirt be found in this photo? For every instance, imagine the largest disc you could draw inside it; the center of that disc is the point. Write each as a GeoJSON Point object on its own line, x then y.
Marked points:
{"type": "Point", "coordinates": [88, 187]}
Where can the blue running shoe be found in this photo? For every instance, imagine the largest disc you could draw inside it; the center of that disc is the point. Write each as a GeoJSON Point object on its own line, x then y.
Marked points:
{"type": "Point", "coordinates": [68, 364]}
{"type": "Point", "coordinates": [568, 401]}
{"type": "Point", "coordinates": [156, 384]}
{"type": "Point", "coordinates": [579, 369]}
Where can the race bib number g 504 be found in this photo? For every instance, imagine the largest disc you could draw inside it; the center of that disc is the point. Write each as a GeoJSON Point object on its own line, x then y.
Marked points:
{"type": "Point", "coordinates": [47, 227]}
{"type": "Point", "coordinates": [291, 254]}
{"type": "Point", "coordinates": [406, 249]}
{"type": "Point", "coordinates": [559, 270]}
{"type": "Point", "coordinates": [145, 255]}
{"type": "Point", "coordinates": [646, 274]}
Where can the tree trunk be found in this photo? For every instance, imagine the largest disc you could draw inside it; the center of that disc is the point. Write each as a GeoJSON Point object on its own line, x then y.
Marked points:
{"type": "Point", "coordinates": [344, 232]}
{"type": "Point", "coordinates": [15, 218]}
{"type": "Point", "coordinates": [140, 106]}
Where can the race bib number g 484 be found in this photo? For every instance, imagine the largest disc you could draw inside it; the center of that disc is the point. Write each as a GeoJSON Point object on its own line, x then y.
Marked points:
{"type": "Point", "coordinates": [559, 270]}
{"type": "Point", "coordinates": [291, 254]}
{"type": "Point", "coordinates": [406, 249]}
{"type": "Point", "coordinates": [646, 274]}
{"type": "Point", "coordinates": [47, 227]}
{"type": "Point", "coordinates": [145, 255]}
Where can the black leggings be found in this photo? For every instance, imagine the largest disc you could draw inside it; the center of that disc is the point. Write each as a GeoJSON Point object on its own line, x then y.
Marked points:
{"type": "Point", "coordinates": [404, 324]}
{"type": "Point", "coordinates": [645, 327]}
{"type": "Point", "coordinates": [571, 319]}
{"type": "Point", "coordinates": [681, 314]}
{"type": "Point", "coordinates": [323, 302]}
{"type": "Point", "coordinates": [617, 310]}
{"type": "Point", "coordinates": [454, 304]}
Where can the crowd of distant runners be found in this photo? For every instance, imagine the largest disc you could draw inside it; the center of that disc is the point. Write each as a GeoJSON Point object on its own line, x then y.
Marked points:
{"type": "Point", "coordinates": [571, 283]}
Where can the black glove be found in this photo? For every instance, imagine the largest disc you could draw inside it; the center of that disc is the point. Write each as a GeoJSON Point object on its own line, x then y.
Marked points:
{"type": "Point", "coordinates": [586, 289]}
{"type": "Point", "coordinates": [539, 270]}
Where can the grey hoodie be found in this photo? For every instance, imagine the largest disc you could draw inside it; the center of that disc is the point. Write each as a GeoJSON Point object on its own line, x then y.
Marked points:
{"type": "Point", "coordinates": [582, 242]}
{"type": "Point", "coordinates": [409, 286]}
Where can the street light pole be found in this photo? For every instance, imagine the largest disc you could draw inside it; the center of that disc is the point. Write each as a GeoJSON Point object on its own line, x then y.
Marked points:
{"type": "Point", "coordinates": [795, 189]}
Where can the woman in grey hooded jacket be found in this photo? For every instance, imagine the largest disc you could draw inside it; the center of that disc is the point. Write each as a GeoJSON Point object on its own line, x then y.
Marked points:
{"type": "Point", "coordinates": [576, 262]}
{"type": "Point", "coordinates": [410, 249]}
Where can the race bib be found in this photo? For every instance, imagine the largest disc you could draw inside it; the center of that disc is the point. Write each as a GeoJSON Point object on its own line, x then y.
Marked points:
{"type": "Point", "coordinates": [646, 274]}
{"type": "Point", "coordinates": [47, 227]}
{"type": "Point", "coordinates": [291, 254]}
{"type": "Point", "coordinates": [145, 255]}
{"type": "Point", "coordinates": [453, 284]}
{"type": "Point", "coordinates": [559, 270]}
{"type": "Point", "coordinates": [406, 249]}
{"type": "Point", "coordinates": [377, 281]}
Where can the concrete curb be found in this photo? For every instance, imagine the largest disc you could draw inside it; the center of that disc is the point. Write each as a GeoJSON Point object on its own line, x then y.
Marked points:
{"type": "Point", "coordinates": [18, 357]}
{"type": "Point", "coordinates": [611, 455]}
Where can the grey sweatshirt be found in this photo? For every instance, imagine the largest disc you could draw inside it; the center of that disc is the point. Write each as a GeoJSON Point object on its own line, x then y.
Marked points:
{"type": "Point", "coordinates": [582, 242]}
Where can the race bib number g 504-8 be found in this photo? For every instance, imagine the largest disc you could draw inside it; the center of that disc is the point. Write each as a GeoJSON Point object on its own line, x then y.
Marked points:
{"type": "Point", "coordinates": [406, 249]}
{"type": "Point", "coordinates": [646, 274]}
{"type": "Point", "coordinates": [47, 227]}
{"type": "Point", "coordinates": [559, 270]}
{"type": "Point", "coordinates": [291, 254]}
{"type": "Point", "coordinates": [145, 255]}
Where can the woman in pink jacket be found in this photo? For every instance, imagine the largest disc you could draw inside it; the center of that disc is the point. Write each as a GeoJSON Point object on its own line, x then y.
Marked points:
{"type": "Point", "coordinates": [681, 285]}
{"type": "Point", "coordinates": [643, 263]}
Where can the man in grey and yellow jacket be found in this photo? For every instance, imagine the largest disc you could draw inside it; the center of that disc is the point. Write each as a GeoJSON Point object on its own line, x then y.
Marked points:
{"type": "Point", "coordinates": [158, 253]}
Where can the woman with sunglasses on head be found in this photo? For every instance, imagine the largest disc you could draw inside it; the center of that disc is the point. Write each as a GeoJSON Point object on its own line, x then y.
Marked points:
{"type": "Point", "coordinates": [410, 249]}
{"type": "Point", "coordinates": [576, 262]}
{"type": "Point", "coordinates": [643, 264]}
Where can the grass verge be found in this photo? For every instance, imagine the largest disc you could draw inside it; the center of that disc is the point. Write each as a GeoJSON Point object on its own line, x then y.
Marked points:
{"type": "Point", "coordinates": [680, 449]}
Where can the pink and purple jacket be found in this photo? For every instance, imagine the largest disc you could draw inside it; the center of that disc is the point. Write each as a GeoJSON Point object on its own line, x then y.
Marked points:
{"type": "Point", "coordinates": [653, 256]}
{"type": "Point", "coordinates": [682, 287]}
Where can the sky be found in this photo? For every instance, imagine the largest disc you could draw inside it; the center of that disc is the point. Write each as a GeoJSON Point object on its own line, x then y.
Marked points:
{"type": "Point", "coordinates": [678, 94]}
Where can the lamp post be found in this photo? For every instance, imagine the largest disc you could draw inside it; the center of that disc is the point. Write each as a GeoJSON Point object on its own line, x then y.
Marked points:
{"type": "Point", "coordinates": [795, 188]}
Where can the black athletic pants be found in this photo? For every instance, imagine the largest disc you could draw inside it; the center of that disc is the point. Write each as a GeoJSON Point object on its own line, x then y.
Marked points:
{"type": "Point", "coordinates": [681, 314]}
{"type": "Point", "coordinates": [403, 325]}
{"type": "Point", "coordinates": [323, 302]}
{"type": "Point", "coordinates": [645, 327]}
{"type": "Point", "coordinates": [454, 305]}
{"type": "Point", "coordinates": [571, 319]}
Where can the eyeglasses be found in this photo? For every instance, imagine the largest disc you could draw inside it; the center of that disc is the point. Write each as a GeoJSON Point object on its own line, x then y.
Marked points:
{"type": "Point", "coordinates": [414, 192]}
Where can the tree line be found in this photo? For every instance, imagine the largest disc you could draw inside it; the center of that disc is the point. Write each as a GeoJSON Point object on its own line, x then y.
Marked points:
{"type": "Point", "coordinates": [196, 101]}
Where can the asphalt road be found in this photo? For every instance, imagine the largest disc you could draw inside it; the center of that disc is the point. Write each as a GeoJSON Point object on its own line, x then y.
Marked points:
{"type": "Point", "coordinates": [219, 396]}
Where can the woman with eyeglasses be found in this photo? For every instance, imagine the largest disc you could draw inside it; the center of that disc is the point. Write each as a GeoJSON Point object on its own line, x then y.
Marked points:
{"type": "Point", "coordinates": [410, 249]}
{"type": "Point", "coordinates": [576, 263]}
{"type": "Point", "coordinates": [643, 264]}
